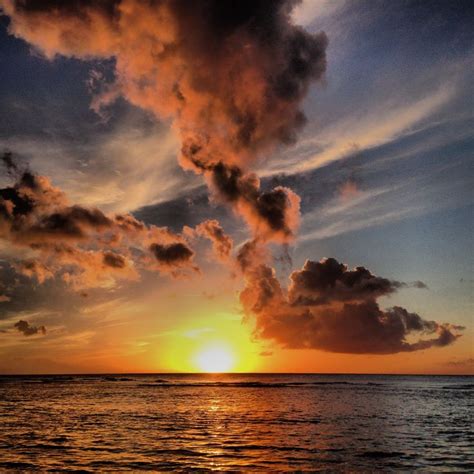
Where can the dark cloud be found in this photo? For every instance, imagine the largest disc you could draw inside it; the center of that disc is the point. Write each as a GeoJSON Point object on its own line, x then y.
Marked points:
{"type": "Point", "coordinates": [272, 207]}
{"type": "Point", "coordinates": [272, 214]}
{"type": "Point", "coordinates": [114, 260]}
{"type": "Point", "coordinates": [27, 330]}
{"type": "Point", "coordinates": [172, 253]}
{"type": "Point", "coordinates": [9, 163]}
{"type": "Point", "coordinates": [71, 222]}
{"type": "Point", "coordinates": [20, 199]}
{"type": "Point", "coordinates": [331, 308]}
{"type": "Point", "coordinates": [328, 280]}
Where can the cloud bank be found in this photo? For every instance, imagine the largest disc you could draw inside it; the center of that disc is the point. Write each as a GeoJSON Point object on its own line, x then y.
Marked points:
{"type": "Point", "coordinates": [334, 309]}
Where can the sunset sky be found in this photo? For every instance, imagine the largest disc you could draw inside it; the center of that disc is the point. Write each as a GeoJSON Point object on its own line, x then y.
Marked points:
{"type": "Point", "coordinates": [166, 206]}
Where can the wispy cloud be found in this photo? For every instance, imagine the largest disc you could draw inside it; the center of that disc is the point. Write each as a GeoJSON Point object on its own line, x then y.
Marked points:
{"type": "Point", "coordinates": [120, 171]}
{"type": "Point", "coordinates": [379, 206]}
{"type": "Point", "coordinates": [382, 124]}
{"type": "Point", "coordinates": [377, 124]}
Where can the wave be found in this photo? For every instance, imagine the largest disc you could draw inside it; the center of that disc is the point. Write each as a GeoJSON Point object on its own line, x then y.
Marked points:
{"type": "Point", "coordinates": [380, 454]}
{"type": "Point", "coordinates": [463, 386]}
{"type": "Point", "coordinates": [109, 378]}
{"type": "Point", "coordinates": [17, 465]}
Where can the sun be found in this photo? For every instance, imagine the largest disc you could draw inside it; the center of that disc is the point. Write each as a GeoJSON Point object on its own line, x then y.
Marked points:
{"type": "Point", "coordinates": [215, 359]}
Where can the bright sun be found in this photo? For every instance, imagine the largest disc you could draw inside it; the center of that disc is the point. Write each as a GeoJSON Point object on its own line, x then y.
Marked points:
{"type": "Point", "coordinates": [216, 358]}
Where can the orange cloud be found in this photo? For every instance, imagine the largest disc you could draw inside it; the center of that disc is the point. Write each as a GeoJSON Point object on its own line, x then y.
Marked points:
{"type": "Point", "coordinates": [231, 76]}
{"type": "Point", "coordinates": [222, 244]}
{"type": "Point", "coordinates": [331, 308]}
{"type": "Point", "coordinates": [85, 247]}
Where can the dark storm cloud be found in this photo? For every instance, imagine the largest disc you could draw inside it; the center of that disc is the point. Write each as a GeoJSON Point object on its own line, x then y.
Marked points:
{"type": "Point", "coordinates": [27, 330]}
{"type": "Point", "coordinates": [331, 308]}
{"type": "Point", "coordinates": [231, 74]}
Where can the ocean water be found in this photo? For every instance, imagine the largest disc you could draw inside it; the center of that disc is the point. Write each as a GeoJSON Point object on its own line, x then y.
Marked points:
{"type": "Point", "coordinates": [266, 423]}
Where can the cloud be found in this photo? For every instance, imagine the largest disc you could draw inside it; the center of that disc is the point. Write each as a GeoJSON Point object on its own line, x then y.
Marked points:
{"type": "Point", "coordinates": [70, 223]}
{"type": "Point", "coordinates": [271, 215]}
{"type": "Point", "coordinates": [114, 260]}
{"type": "Point", "coordinates": [328, 280]}
{"type": "Point", "coordinates": [462, 363]}
{"type": "Point", "coordinates": [251, 253]}
{"type": "Point", "coordinates": [396, 198]}
{"type": "Point", "coordinates": [34, 268]}
{"type": "Point", "coordinates": [231, 76]}
{"type": "Point", "coordinates": [375, 128]}
{"type": "Point", "coordinates": [222, 244]}
{"type": "Point", "coordinates": [349, 190]}
{"type": "Point", "coordinates": [118, 167]}
{"type": "Point", "coordinates": [403, 97]}
{"type": "Point", "coordinates": [83, 246]}
{"type": "Point", "coordinates": [171, 254]}
{"type": "Point", "coordinates": [331, 308]}
{"type": "Point", "coordinates": [27, 330]}
{"type": "Point", "coordinates": [307, 10]}
{"type": "Point", "coordinates": [10, 165]}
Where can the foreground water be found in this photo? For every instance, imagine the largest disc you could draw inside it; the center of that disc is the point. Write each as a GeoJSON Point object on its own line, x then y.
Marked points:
{"type": "Point", "coordinates": [236, 422]}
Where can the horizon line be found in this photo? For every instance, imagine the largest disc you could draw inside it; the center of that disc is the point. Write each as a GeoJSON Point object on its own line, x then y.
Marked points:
{"type": "Point", "coordinates": [236, 373]}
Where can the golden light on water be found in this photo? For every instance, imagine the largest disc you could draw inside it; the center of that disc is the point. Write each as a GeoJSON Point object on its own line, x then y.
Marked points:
{"type": "Point", "coordinates": [215, 359]}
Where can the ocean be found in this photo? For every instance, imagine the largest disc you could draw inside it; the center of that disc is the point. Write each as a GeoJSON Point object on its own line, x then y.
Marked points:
{"type": "Point", "coordinates": [252, 422]}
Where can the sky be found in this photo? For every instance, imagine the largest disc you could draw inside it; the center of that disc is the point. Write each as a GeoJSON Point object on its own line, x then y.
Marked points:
{"type": "Point", "coordinates": [236, 186]}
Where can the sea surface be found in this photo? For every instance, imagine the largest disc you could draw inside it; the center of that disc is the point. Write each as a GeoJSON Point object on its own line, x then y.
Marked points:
{"type": "Point", "coordinates": [267, 423]}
